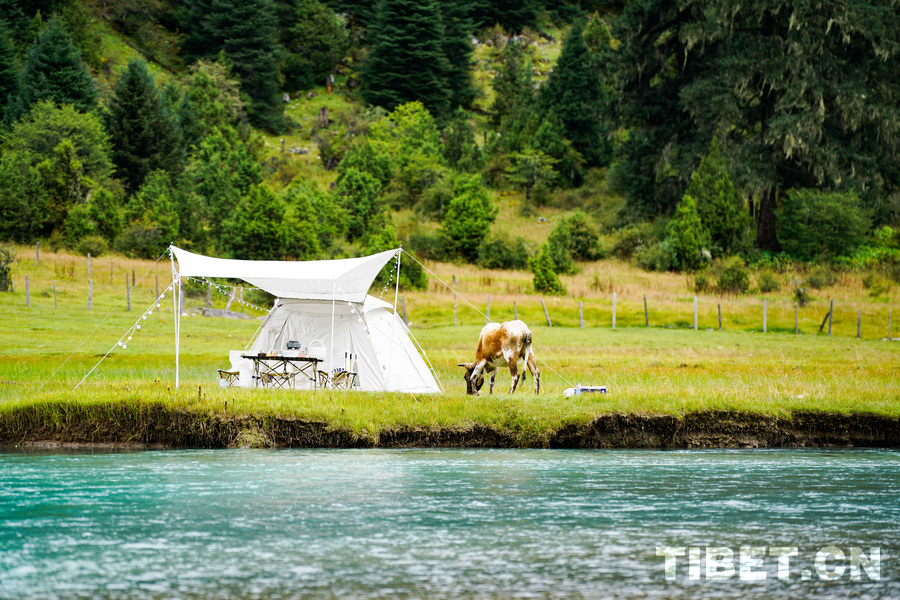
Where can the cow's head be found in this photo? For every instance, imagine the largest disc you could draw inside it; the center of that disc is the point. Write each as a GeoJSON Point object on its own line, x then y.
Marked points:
{"type": "Point", "coordinates": [472, 387]}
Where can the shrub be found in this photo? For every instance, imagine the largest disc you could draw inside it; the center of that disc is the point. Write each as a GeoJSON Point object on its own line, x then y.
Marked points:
{"type": "Point", "coordinates": [7, 258]}
{"type": "Point", "coordinates": [93, 245]}
{"type": "Point", "coordinates": [801, 294]}
{"type": "Point", "coordinates": [767, 281]}
{"type": "Point", "coordinates": [687, 235]}
{"type": "Point", "coordinates": [545, 278]}
{"type": "Point", "coordinates": [499, 251]}
{"type": "Point", "coordinates": [702, 283]}
{"type": "Point", "coordinates": [876, 285]}
{"type": "Point", "coordinates": [733, 276]}
{"type": "Point", "coordinates": [814, 224]}
{"type": "Point", "coordinates": [657, 257]}
{"type": "Point", "coordinates": [629, 239]}
{"type": "Point", "coordinates": [821, 277]}
{"type": "Point", "coordinates": [427, 245]}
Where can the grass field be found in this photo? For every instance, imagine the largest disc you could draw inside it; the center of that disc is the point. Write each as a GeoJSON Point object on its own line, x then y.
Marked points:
{"type": "Point", "coordinates": [668, 368]}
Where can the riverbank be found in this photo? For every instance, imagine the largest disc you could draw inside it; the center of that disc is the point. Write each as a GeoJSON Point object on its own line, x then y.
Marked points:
{"type": "Point", "coordinates": [158, 426]}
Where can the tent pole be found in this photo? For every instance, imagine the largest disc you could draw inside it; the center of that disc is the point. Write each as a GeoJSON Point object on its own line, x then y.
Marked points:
{"type": "Point", "coordinates": [396, 295]}
{"type": "Point", "coordinates": [176, 285]}
{"type": "Point", "coordinates": [331, 352]}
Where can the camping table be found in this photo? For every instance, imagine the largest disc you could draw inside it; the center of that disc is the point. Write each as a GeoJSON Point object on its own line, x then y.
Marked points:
{"type": "Point", "coordinates": [280, 371]}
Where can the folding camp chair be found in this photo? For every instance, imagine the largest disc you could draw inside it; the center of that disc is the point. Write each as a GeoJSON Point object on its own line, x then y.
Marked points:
{"type": "Point", "coordinates": [228, 378]}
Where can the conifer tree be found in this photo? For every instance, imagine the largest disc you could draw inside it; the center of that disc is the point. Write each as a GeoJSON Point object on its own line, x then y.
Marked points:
{"type": "Point", "coordinates": [458, 29]}
{"type": "Point", "coordinates": [719, 203]}
{"type": "Point", "coordinates": [315, 43]}
{"type": "Point", "coordinates": [17, 22]}
{"type": "Point", "coordinates": [145, 136]}
{"type": "Point", "coordinates": [255, 231]}
{"type": "Point", "coordinates": [512, 86]}
{"type": "Point", "coordinates": [9, 68]}
{"type": "Point", "coordinates": [576, 93]}
{"type": "Point", "coordinates": [408, 61]}
{"type": "Point", "coordinates": [54, 71]}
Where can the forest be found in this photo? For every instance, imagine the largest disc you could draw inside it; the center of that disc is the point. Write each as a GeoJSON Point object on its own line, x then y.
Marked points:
{"type": "Point", "coordinates": [691, 136]}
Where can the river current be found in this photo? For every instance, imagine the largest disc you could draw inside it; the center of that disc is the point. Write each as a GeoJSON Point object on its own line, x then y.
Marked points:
{"type": "Point", "coordinates": [448, 524]}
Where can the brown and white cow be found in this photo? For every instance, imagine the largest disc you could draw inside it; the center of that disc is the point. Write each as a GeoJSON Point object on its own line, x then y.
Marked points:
{"type": "Point", "coordinates": [502, 344]}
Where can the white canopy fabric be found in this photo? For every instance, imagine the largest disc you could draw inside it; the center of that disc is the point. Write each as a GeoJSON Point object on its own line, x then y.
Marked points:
{"type": "Point", "coordinates": [344, 279]}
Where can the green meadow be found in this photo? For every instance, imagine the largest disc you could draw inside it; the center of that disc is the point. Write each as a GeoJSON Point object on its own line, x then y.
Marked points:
{"type": "Point", "coordinates": [47, 349]}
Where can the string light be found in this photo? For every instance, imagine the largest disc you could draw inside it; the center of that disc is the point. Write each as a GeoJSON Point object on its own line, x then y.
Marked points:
{"type": "Point", "coordinates": [129, 335]}
{"type": "Point", "coordinates": [223, 290]}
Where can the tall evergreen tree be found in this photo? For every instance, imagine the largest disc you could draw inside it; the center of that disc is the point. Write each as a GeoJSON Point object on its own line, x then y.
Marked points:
{"type": "Point", "coordinates": [145, 136]}
{"type": "Point", "coordinates": [17, 22]}
{"type": "Point", "coordinates": [513, 88]}
{"type": "Point", "coordinates": [315, 43]}
{"type": "Point", "coordinates": [9, 69]}
{"type": "Point", "coordinates": [458, 30]}
{"type": "Point", "coordinates": [575, 92]}
{"type": "Point", "coordinates": [54, 71]}
{"type": "Point", "coordinates": [408, 61]}
{"type": "Point", "coordinates": [247, 31]}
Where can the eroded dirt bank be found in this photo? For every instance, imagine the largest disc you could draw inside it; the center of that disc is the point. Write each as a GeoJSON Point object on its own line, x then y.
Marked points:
{"type": "Point", "coordinates": [156, 426]}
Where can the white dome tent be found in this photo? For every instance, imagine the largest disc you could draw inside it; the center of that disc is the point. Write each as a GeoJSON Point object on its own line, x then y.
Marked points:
{"type": "Point", "coordinates": [325, 301]}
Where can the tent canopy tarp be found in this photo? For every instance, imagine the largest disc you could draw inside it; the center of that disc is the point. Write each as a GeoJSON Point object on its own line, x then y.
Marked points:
{"type": "Point", "coordinates": [341, 279]}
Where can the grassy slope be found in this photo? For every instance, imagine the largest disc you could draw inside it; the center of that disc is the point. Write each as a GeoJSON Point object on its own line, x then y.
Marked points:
{"type": "Point", "coordinates": [656, 370]}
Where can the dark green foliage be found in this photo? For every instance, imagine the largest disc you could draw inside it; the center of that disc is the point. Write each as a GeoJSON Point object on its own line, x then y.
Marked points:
{"type": "Point", "coordinates": [661, 257]}
{"type": "Point", "coordinates": [820, 278]}
{"type": "Point", "coordinates": [550, 138]}
{"type": "Point", "coordinates": [79, 23]}
{"type": "Point", "coordinates": [720, 205]}
{"type": "Point", "coordinates": [582, 239]}
{"type": "Point", "coordinates": [153, 218]}
{"type": "Point", "coordinates": [687, 235]}
{"type": "Point", "coordinates": [94, 245]}
{"type": "Point", "coordinates": [315, 43]}
{"type": "Point", "coordinates": [575, 92]}
{"type": "Point", "coordinates": [513, 15]}
{"type": "Point", "coordinates": [457, 47]}
{"type": "Point", "coordinates": [363, 157]}
{"type": "Point", "coordinates": [53, 71]}
{"type": "Point", "coordinates": [145, 136]}
{"type": "Point", "coordinates": [299, 230]}
{"type": "Point", "coordinates": [545, 279]}
{"type": "Point", "coordinates": [815, 224]}
{"type": "Point", "coordinates": [246, 32]}
{"type": "Point", "coordinates": [211, 100]}
{"type": "Point", "coordinates": [9, 69]}
{"type": "Point", "coordinates": [732, 276]}
{"type": "Point", "coordinates": [460, 150]}
{"type": "Point", "coordinates": [560, 244]}
{"type": "Point", "coordinates": [407, 61]}
{"type": "Point", "coordinates": [531, 169]}
{"type": "Point", "coordinates": [500, 251]}
{"type": "Point", "coordinates": [359, 194]}
{"type": "Point", "coordinates": [513, 87]}
{"type": "Point", "coordinates": [597, 36]}
{"type": "Point", "coordinates": [427, 245]}
{"type": "Point", "coordinates": [255, 230]}
{"type": "Point", "coordinates": [17, 22]}
{"type": "Point", "coordinates": [7, 259]}
{"type": "Point", "coordinates": [24, 209]}
{"type": "Point", "coordinates": [467, 218]}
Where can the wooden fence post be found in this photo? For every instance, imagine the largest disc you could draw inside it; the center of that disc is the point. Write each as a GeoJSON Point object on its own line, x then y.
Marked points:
{"type": "Point", "coordinates": [890, 314]}
{"type": "Point", "coordinates": [720, 316]}
{"type": "Point", "coordinates": [830, 316]}
{"type": "Point", "coordinates": [487, 315]}
{"type": "Point", "coordinates": [614, 311]}
{"type": "Point", "coordinates": [646, 314]}
{"type": "Point", "coordinates": [208, 295]}
{"type": "Point", "coordinates": [55, 304]}
{"type": "Point", "coordinates": [454, 310]}
{"type": "Point", "coordinates": [765, 315]}
{"type": "Point", "coordinates": [90, 293]}
{"type": "Point", "coordinates": [515, 311]}
{"type": "Point", "coordinates": [90, 275]}
{"type": "Point", "coordinates": [133, 280]}
{"type": "Point", "coordinates": [546, 314]}
{"type": "Point", "coordinates": [695, 313]}
{"type": "Point", "coordinates": [128, 292]}
{"type": "Point", "coordinates": [37, 254]}
{"type": "Point", "coordinates": [796, 321]}
{"type": "Point", "coordinates": [28, 294]}
{"type": "Point", "coordinates": [580, 314]}
{"type": "Point", "coordinates": [858, 323]}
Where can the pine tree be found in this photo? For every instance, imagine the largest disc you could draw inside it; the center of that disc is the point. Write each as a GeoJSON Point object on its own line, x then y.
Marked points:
{"type": "Point", "coordinates": [576, 93]}
{"type": "Point", "coordinates": [315, 43]}
{"type": "Point", "coordinates": [687, 235]}
{"type": "Point", "coordinates": [54, 71]}
{"type": "Point", "coordinates": [248, 32]}
{"type": "Point", "coordinates": [513, 91]}
{"type": "Point", "coordinates": [9, 69]}
{"type": "Point", "coordinates": [17, 22]}
{"type": "Point", "coordinates": [407, 61]}
{"type": "Point", "coordinates": [719, 204]}
{"type": "Point", "coordinates": [145, 136]}
{"type": "Point", "coordinates": [457, 46]}
{"type": "Point", "coordinates": [255, 231]}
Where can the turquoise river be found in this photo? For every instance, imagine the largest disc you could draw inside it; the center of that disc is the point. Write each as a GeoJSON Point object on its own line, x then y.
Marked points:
{"type": "Point", "coordinates": [449, 523]}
